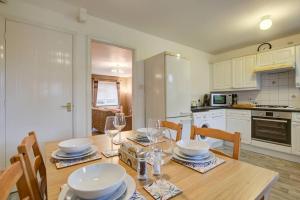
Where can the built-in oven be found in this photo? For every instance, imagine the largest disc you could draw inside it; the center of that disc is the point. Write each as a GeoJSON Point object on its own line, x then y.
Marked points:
{"type": "Point", "coordinates": [220, 99]}
{"type": "Point", "coordinates": [272, 126]}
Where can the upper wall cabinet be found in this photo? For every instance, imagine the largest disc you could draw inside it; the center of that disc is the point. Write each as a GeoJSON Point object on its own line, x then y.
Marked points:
{"type": "Point", "coordinates": [222, 79]}
{"type": "Point", "coordinates": [243, 75]}
{"type": "Point", "coordinates": [297, 66]}
{"type": "Point", "coordinates": [280, 56]}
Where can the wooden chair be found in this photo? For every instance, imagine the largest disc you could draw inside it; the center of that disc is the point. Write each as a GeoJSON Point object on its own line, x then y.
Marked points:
{"type": "Point", "coordinates": [173, 126]}
{"type": "Point", "coordinates": [15, 174]}
{"type": "Point", "coordinates": [35, 165]}
{"type": "Point", "coordinates": [219, 134]}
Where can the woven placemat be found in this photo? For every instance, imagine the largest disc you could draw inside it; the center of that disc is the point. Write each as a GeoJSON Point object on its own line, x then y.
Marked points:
{"type": "Point", "coordinates": [67, 163]}
{"type": "Point", "coordinates": [202, 168]}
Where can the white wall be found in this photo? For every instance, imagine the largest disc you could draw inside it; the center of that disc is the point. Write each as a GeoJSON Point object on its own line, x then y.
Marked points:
{"type": "Point", "coordinates": [61, 16]}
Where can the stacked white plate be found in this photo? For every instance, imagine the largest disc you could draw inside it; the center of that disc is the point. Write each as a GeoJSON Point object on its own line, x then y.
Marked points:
{"type": "Point", "coordinates": [99, 181]}
{"type": "Point", "coordinates": [74, 149]}
{"type": "Point", "coordinates": [193, 151]}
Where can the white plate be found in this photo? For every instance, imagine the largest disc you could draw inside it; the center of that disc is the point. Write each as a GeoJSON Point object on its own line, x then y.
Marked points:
{"type": "Point", "coordinates": [74, 145]}
{"type": "Point", "coordinates": [72, 155]}
{"type": "Point", "coordinates": [209, 159]}
{"type": "Point", "coordinates": [192, 147]}
{"type": "Point", "coordinates": [201, 157]}
{"type": "Point", "coordinates": [67, 194]}
{"type": "Point", "coordinates": [96, 180]}
{"type": "Point", "coordinates": [54, 154]}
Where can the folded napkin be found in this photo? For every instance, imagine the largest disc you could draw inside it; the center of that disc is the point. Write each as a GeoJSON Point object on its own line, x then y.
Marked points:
{"type": "Point", "coordinates": [162, 189]}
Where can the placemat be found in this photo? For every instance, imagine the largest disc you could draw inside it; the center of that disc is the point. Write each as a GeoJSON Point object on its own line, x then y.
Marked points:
{"type": "Point", "coordinates": [67, 163]}
{"type": "Point", "coordinates": [162, 189]}
{"type": "Point", "coordinates": [145, 144]}
{"type": "Point", "coordinates": [108, 155]}
{"type": "Point", "coordinates": [202, 168]}
{"type": "Point", "coordinates": [137, 196]}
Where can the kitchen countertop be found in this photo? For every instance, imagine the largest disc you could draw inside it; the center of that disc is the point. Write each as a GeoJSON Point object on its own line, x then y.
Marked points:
{"type": "Point", "coordinates": [207, 108]}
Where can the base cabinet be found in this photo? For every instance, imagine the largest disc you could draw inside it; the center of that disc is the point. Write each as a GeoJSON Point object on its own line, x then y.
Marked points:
{"type": "Point", "coordinates": [296, 138]}
{"type": "Point", "coordinates": [240, 121]}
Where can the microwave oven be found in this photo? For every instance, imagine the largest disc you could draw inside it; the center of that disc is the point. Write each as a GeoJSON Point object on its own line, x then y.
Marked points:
{"type": "Point", "coordinates": [220, 99]}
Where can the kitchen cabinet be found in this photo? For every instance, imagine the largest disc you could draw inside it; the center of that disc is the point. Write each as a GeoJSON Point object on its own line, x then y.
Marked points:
{"type": "Point", "coordinates": [280, 56]}
{"type": "Point", "coordinates": [296, 133]}
{"type": "Point", "coordinates": [222, 76]}
{"type": "Point", "coordinates": [239, 121]}
{"type": "Point", "coordinates": [218, 119]}
{"type": "Point", "coordinates": [243, 76]}
{"type": "Point", "coordinates": [297, 79]}
{"type": "Point", "coordinates": [296, 138]}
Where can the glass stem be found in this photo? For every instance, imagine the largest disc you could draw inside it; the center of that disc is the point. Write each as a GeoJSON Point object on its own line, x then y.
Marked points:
{"type": "Point", "coordinates": [120, 138]}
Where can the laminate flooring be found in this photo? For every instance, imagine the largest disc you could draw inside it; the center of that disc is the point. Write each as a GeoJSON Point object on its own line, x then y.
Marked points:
{"type": "Point", "coordinates": [288, 185]}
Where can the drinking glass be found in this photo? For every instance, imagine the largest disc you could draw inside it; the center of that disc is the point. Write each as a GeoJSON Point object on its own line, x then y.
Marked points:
{"type": "Point", "coordinates": [163, 152]}
{"type": "Point", "coordinates": [111, 131]}
{"type": "Point", "coordinates": [153, 130]}
{"type": "Point", "coordinates": [119, 123]}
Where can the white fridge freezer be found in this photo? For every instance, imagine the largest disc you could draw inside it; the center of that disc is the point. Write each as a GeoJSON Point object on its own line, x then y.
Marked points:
{"type": "Point", "coordinates": [178, 86]}
{"type": "Point", "coordinates": [167, 87]}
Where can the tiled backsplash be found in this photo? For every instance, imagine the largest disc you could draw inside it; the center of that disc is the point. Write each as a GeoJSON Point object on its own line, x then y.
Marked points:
{"type": "Point", "coordinates": [276, 89]}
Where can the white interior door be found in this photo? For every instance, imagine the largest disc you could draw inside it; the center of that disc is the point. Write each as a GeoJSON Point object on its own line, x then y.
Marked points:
{"type": "Point", "coordinates": [2, 94]}
{"type": "Point", "coordinates": [38, 84]}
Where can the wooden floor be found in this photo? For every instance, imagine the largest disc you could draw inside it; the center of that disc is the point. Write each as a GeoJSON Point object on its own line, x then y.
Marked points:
{"type": "Point", "coordinates": [288, 185]}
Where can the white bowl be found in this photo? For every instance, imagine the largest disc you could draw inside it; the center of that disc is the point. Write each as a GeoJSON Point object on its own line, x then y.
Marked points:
{"type": "Point", "coordinates": [192, 147]}
{"type": "Point", "coordinates": [97, 180]}
{"type": "Point", "coordinates": [74, 145]}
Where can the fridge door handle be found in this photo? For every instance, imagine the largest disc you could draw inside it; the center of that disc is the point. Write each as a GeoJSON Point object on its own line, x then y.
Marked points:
{"type": "Point", "coordinates": [185, 113]}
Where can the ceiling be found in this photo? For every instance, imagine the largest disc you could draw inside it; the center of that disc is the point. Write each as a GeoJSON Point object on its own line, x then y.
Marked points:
{"type": "Point", "coordinates": [213, 26]}
{"type": "Point", "coordinates": [111, 60]}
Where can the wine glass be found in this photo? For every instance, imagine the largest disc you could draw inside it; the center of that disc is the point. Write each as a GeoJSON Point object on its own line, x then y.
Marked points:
{"type": "Point", "coordinates": [111, 131]}
{"type": "Point", "coordinates": [153, 130]}
{"type": "Point", "coordinates": [119, 123]}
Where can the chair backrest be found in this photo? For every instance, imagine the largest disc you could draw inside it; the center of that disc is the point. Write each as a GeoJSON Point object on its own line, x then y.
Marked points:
{"type": "Point", "coordinates": [222, 135]}
{"type": "Point", "coordinates": [35, 165]}
{"type": "Point", "coordinates": [173, 126]}
{"type": "Point", "coordinates": [15, 174]}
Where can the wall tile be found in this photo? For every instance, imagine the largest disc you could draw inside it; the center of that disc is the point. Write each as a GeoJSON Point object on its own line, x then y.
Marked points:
{"type": "Point", "coordinates": [277, 89]}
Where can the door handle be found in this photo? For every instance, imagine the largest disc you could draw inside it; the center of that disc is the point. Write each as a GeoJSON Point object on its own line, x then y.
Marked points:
{"type": "Point", "coordinates": [68, 106]}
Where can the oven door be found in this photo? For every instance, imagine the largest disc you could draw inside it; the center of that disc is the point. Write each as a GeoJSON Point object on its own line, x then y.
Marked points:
{"type": "Point", "coordinates": [272, 130]}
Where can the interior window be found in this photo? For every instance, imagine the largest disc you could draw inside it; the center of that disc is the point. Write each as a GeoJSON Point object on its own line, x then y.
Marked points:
{"type": "Point", "coordinates": [107, 94]}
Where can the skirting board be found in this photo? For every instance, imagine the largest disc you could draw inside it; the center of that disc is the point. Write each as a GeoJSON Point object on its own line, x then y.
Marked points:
{"type": "Point", "coordinates": [269, 152]}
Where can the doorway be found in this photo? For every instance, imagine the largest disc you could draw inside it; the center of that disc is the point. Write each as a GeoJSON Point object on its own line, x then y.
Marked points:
{"type": "Point", "coordinates": [111, 84]}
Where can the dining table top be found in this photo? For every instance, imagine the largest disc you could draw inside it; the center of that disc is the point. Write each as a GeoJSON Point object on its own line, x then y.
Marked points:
{"type": "Point", "coordinates": [231, 180]}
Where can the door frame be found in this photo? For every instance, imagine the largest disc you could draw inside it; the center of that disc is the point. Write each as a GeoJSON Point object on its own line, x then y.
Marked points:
{"type": "Point", "coordinates": [3, 69]}
{"type": "Point", "coordinates": [91, 38]}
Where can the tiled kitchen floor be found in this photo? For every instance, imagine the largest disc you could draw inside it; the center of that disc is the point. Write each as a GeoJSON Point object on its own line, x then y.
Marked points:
{"type": "Point", "coordinates": [288, 184]}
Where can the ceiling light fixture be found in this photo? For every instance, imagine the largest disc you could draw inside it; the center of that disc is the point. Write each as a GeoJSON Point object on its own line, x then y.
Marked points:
{"type": "Point", "coordinates": [265, 23]}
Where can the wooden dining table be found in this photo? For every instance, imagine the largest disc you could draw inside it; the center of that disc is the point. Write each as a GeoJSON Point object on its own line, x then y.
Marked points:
{"type": "Point", "coordinates": [232, 180]}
